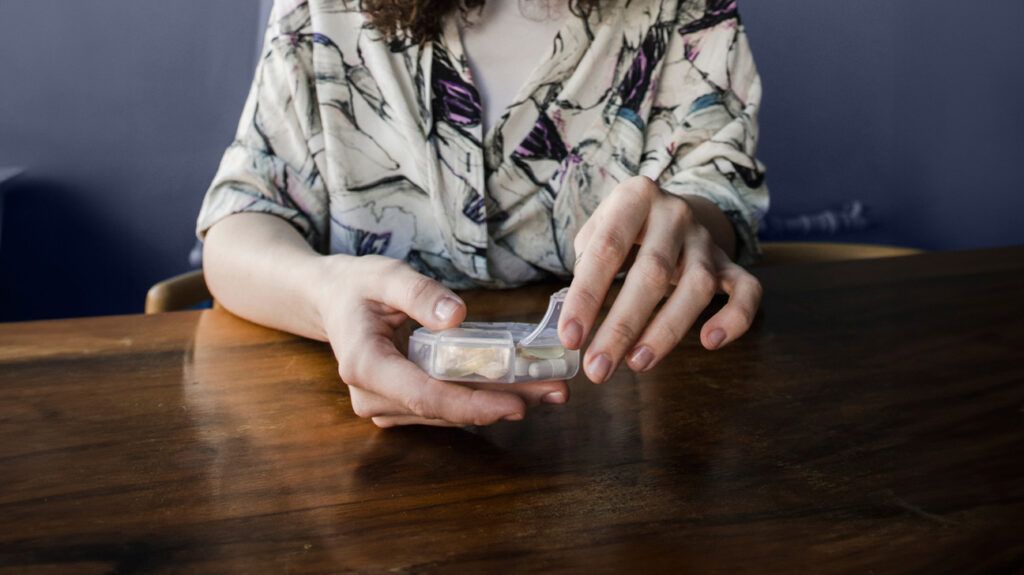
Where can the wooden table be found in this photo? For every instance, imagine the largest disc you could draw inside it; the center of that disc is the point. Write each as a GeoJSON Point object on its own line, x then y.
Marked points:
{"type": "Point", "coordinates": [873, 421]}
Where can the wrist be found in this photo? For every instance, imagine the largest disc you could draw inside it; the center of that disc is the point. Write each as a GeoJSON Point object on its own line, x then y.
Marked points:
{"type": "Point", "coordinates": [325, 287]}
{"type": "Point", "coordinates": [714, 220]}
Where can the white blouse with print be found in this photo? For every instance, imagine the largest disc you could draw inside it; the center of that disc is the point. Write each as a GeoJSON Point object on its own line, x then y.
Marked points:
{"type": "Point", "coordinates": [374, 147]}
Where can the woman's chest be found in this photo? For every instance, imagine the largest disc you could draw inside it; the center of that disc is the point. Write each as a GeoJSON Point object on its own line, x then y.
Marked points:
{"type": "Point", "coordinates": [390, 111]}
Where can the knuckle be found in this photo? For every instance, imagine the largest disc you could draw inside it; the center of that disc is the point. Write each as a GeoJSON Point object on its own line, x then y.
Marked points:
{"type": "Point", "coordinates": [670, 332]}
{"type": "Point", "coordinates": [744, 315]}
{"type": "Point", "coordinates": [346, 370]}
{"type": "Point", "coordinates": [609, 248]}
{"type": "Point", "coordinates": [361, 409]}
{"type": "Point", "coordinates": [419, 405]}
{"type": "Point", "coordinates": [475, 416]}
{"type": "Point", "coordinates": [418, 288]}
{"type": "Point", "coordinates": [414, 403]}
{"type": "Point", "coordinates": [701, 235]}
{"type": "Point", "coordinates": [655, 271]}
{"type": "Point", "coordinates": [681, 212]}
{"type": "Point", "coordinates": [355, 369]}
{"type": "Point", "coordinates": [589, 302]}
{"type": "Point", "coordinates": [680, 220]}
{"type": "Point", "coordinates": [622, 333]}
{"type": "Point", "coordinates": [703, 282]}
{"type": "Point", "coordinates": [640, 186]}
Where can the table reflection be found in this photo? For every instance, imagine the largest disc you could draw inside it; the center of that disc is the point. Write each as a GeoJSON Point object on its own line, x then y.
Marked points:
{"type": "Point", "coordinates": [280, 440]}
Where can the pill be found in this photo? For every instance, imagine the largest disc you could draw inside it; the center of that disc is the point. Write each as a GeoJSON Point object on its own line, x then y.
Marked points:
{"type": "Point", "coordinates": [522, 367]}
{"type": "Point", "coordinates": [549, 369]}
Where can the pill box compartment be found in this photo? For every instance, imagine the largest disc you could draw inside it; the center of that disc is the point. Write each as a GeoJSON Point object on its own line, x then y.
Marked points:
{"type": "Point", "coordinates": [492, 352]}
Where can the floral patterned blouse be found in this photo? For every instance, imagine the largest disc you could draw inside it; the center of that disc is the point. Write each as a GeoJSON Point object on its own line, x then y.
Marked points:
{"type": "Point", "coordinates": [375, 147]}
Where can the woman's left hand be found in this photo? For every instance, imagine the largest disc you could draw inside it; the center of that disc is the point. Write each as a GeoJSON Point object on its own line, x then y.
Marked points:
{"type": "Point", "coordinates": [677, 259]}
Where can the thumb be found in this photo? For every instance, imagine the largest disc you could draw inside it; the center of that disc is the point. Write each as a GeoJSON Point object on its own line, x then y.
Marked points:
{"type": "Point", "coordinates": [421, 298]}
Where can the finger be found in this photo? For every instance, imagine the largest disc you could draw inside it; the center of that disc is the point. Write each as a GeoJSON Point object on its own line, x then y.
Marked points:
{"type": "Point", "coordinates": [423, 299]}
{"type": "Point", "coordinates": [583, 237]}
{"type": "Point", "coordinates": [736, 316]}
{"type": "Point", "coordinates": [368, 405]}
{"type": "Point", "coordinates": [697, 285]}
{"type": "Point", "coordinates": [533, 393]}
{"type": "Point", "coordinates": [388, 421]}
{"type": "Point", "coordinates": [612, 238]}
{"type": "Point", "coordinates": [647, 282]}
{"type": "Point", "coordinates": [379, 368]}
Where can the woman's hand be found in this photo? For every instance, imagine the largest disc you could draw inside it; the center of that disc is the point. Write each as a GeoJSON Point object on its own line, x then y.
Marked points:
{"type": "Point", "coordinates": [259, 267]}
{"type": "Point", "coordinates": [365, 303]}
{"type": "Point", "coordinates": [677, 258]}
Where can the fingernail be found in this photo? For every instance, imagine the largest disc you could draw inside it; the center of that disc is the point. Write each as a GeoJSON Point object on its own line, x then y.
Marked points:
{"type": "Point", "coordinates": [556, 397]}
{"type": "Point", "coordinates": [641, 358]}
{"type": "Point", "coordinates": [716, 338]}
{"type": "Point", "coordinates": [573, 334]}
{"type": "Point", "coordinates": [513, 417]}
{"type": "Point", "coordinates": [446, 308]}
{"type": "Point", "coordinates": [599, 368]}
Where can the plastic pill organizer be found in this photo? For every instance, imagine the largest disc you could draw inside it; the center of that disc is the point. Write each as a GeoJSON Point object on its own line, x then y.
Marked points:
{"type": "Point", "coordinates": [497, 352]}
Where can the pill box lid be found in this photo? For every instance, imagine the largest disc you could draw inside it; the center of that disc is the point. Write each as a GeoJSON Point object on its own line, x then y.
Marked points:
{"type": "Point", "coordinates": [476, 334]}
{"type": "Point", "coordinates": [481, 334]}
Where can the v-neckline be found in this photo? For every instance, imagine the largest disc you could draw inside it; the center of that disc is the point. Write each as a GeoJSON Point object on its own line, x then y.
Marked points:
{"type": "Point", "coordinates": [460, 167]}
{"type": "Point", "coordinates": [452, 41]}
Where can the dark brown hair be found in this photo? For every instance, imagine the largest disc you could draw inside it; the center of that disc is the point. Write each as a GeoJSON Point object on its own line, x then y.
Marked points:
{"type": "Point", "coordinates": [422, 20]}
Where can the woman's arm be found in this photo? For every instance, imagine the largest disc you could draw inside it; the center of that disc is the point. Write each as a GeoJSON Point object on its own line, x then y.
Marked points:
{"type": "Point", "coordinates": [692, 209]}
{"type": "Point", "coordinates": [260, 267]}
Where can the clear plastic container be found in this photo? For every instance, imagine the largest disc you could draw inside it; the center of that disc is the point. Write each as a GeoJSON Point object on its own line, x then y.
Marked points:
{"type": "Point", "coordinates": [497, 352]}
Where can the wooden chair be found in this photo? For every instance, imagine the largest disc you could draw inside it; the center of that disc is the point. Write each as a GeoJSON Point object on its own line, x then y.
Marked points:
{"type": "Point", "coordinates": [177, 293]}
{"type": "Point", "coordinates": [189, 289]}
{"type": "Point", "coordinates": [795, 253]}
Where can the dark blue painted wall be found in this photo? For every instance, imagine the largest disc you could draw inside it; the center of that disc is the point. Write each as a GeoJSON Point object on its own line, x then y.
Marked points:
{"type": "Point", "coordinates": [122, 108]}
{"type": "Point", "coordinates": [913, 106]}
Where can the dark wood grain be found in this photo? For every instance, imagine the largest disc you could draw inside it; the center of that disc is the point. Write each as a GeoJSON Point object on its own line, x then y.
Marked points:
{"type": "Point", "coordinates": [872, 421]}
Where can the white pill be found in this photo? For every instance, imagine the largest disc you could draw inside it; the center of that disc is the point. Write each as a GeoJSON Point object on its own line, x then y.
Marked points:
{"type": "Point", "coordinates": [549, 369]}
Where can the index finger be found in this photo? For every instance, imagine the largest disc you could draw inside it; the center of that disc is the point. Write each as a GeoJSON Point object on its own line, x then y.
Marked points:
{"type": "Point", "coordinates": [600, 259]}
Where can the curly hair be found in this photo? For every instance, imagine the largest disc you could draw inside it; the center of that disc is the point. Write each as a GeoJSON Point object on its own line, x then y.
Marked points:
{"type": "Point", "coordinates": [423, 20]}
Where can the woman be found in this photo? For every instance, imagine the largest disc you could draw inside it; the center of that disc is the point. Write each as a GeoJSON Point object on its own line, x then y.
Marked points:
{"type": "Point", "coordinates": [369, 177]}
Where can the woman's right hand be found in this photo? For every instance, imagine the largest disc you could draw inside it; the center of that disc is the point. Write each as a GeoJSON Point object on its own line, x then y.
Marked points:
{"type": "Point", "coordinates": [365, 303]}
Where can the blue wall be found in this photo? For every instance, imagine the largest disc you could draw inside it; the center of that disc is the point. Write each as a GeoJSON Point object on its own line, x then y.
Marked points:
{"type": "Point", "coordinates": [122, 108]}
{"type": "Point", "coordinates": [913, 106]}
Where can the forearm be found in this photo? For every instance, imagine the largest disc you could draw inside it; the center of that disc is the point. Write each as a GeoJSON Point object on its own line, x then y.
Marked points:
{"type": "Point", "coordinates": [260, 268]}
{"type": "Point", "coordinates": [716, 222]}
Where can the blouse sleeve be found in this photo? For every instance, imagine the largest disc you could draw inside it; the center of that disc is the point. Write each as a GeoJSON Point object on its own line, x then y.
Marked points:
{"type": "Point", "coordinates": [702, 136]}
{"type": "Point", "coordinates": [271, 165]}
